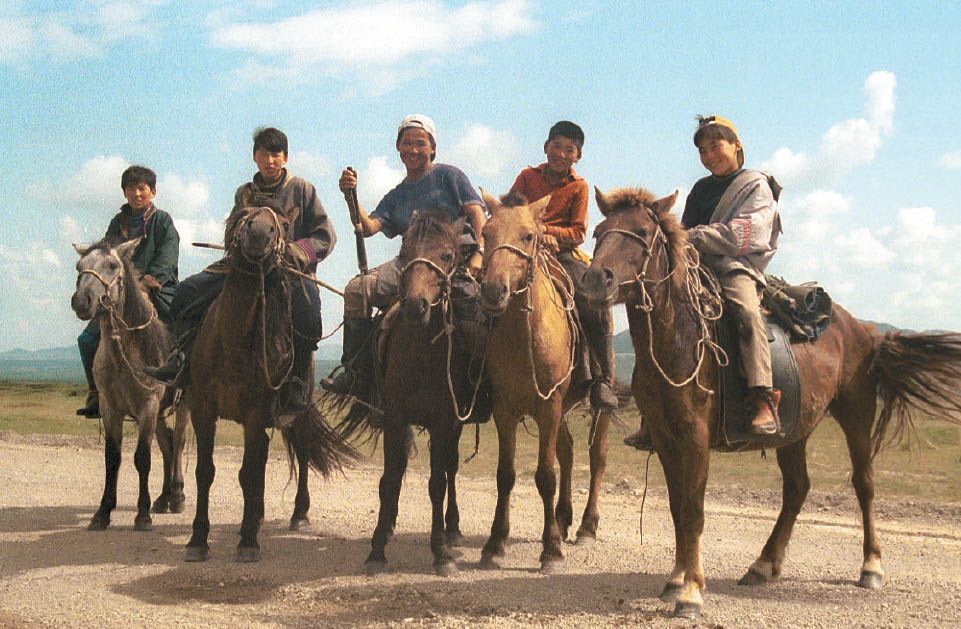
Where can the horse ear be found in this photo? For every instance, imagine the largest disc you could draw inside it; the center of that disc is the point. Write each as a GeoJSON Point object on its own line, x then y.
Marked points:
{"type": "Point", "coordinates": [245, 196]}
{"type": "Point", "coordinates": [459, 224]}
{"type": "Point", "coordinates": [414, 216]}
{"type": "Point", "coordinates": [80, 248]}
{"type": "Point", "coordinates": [126, 249]}
{"type": "Point", "coordinates": [492, 204]}
{"type": "Point", "coordinates": [538, 207]}
{"type": "Point", "coordinates": [602, 203]}
{"type": "Point", "coordinates": [663, 205]}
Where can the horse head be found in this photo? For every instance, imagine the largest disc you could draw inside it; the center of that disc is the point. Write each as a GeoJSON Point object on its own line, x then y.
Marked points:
{"type": "Point", "coordinates": [257, 235]}
{"type": "Point", "coordinates": [100, 277]}
{"type": "Point", "coordinates": [511, 242]}
{"type": "Point", "coordinates": [429, 256]}
{"type": "Point", "coordinates": [638, 241]}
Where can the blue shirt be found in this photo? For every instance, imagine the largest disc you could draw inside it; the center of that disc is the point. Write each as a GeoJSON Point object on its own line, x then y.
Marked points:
{"type": "Point", "coordinates": [444, 188]}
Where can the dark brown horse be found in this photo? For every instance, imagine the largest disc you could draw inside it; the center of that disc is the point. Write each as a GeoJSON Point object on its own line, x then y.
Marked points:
{"type": "Point", "coordinates": [641, 258]}
{"type": "Point", "coordinates": [131, 337]}
{"type": "Point", "coordinates": [425, 384]}
{"type": "Point", "coordinates": [531, 359]}
{"type": "Point", "coordinates": [241, 357]}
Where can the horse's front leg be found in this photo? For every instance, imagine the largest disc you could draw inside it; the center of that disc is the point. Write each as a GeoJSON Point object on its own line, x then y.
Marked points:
{"type": "Point", "coordinates": [546, 480]}
{"type": "Point", "coordinates": [113, 439]}
{"type": "Point", "coordinates": [179, 440]}
{"type": "Point", "coordinates": [146, 423]}
{"type": "Point", "coordinates": [205, 428]}
{"type": "Point", "coordinates": [587, 532]}
{"type": "Point", "coordinates": [165, 443]}
{"type": "Point", "coordinates": [440, 438]}
{"type": "Point", "coordinates": [564, 513]}
{"type": "Point", "coordinates": [452, 519]}
{"type": "Point", "coordinates": [251, 479]}
{"type": "Point", "coordinates": [396, 446]}
{"type": "Point", "coordinates": [506, 423]}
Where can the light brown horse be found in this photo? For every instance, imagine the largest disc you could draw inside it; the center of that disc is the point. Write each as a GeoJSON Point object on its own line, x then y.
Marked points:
{"type": "Point", "coordinates": [242, 355]}
{"type": "Point", "coordinates": [641, 259]}
{"type": "Point", "coordinates": [109, 289]}
{"type": "Point", "coordinates": [530, 364]}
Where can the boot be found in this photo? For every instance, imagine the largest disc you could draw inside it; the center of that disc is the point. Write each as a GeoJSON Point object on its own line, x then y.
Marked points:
{"type": "Point", "coordinates": [641, 439]}
{"type": "Point", "coordinates": [602, 367]}
{"type": "Point", "coordinates": [294, 396]}
{"type": "Point", "coordinates": [174, 372]}
{"type": "Point", "coordinates": [762, 404]}
{"type": "Point", "coordinates": [91, 408]}
{"type": "Point", "coordinates": [357, 361]}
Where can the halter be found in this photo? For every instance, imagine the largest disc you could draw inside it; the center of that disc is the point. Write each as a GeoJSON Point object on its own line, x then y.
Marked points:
{"type": "Point", "coordinates": [640, 275]}
{"type": "Point", "coordinates": [445, 276]}
{"type": "Point", "coordinates": [280, 245]}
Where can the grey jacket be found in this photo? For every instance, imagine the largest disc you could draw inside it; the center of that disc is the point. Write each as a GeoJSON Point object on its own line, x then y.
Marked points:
{"type": "Point", "coordinates": [743, 232]}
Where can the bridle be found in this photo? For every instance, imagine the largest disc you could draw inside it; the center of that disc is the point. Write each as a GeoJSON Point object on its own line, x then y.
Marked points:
{"type": "Point", "coordinates": [280, 244]}
{"type": "Point", "coordinates": [445, 277]}
{"type": "Point", "coordinates": [640, 279]}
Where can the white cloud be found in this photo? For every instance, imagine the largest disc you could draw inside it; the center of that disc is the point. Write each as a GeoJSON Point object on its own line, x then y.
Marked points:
{"type": "Point", "coordinates": [483, 151]}
{"type": "Point", "coordinates": [863, 249]}
{"type": "Point", "coordinates": [310, 166]}
{"type": "Point", "coordinates": [182, 198]}
{"type": "Point", "coordinates": [383, 38]}
{"type": "Point", "coordinates": [951, 160]}
{"type": "Point", "coordinates": [376, 180]}
{"type": "Point", "coordinates": [96, 184]}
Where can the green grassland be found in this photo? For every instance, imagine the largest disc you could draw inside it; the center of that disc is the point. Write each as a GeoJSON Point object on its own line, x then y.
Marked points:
{"type": "Point", "coordinates": [929, 470]}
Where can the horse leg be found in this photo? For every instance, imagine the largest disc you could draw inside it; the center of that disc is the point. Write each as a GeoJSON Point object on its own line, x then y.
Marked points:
{"type": "Point", "coordinates": [587, 531]}
{"type": "Point", "coordinates": [792, 459]}
{"type": "Point", "coordinates": [205, 428]}
{"type": "Point", "coordinates": [165, 443]}
{"type": "Point", "coordinates": [452, 520]}
{"type": "Point", "coordinates": [178, 441]}
{"type": "Point", "coordinates": [440, 438]}
{"type": "Point", "coordinates": [299, 520]}
{"type": "Point", "coordinates": [506, 424]}
{"type": "Point", "coordinates": [251, 479]}
{"type": "Point", "coordinates": [146, 423]}
{"type": "Point", "coordinates": [113, 438]}
{"type": "Point", "coordinates": [396, 445]}
{"type": "Point", "coordinates": [564, 513]}
{"type": "Point", "coordinates": [546, 480]}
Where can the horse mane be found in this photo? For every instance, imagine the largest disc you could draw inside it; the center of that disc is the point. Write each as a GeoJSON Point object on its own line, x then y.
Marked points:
{"type": "Point", "coordinates": [626, 199]}
{"type": "Point", "coordinates": [429, 224]}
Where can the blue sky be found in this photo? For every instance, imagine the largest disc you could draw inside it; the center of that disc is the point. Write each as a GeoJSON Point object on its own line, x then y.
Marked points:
{"type": "Point", "coordinates": [851, 105]}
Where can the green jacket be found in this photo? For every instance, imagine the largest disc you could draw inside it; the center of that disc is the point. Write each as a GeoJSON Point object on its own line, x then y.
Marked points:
{"type": "Point", "coordinates": [156, 255]}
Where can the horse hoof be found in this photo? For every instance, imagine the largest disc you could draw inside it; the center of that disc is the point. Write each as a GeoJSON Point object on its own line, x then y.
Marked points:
{"type": "Point", "coordinates": [585, 539]}
{"type": "Point", "coordinates": [870, 580]}
{"type": "Point", "coordinates": [552, 565]}
{"type": "Point", "coordinates": [98, 524]}
{"type": "Point", "coordinates": [299, 524]}
{"type": "Point", "coordinates": [247, 554]}
{"type": "Point", "coordinates": [445, 569]}
{"type": "Point", "coordinates": [177, 504]}
{"type": "Point", "coordinates": [373, 568]}
{"type": "Point", "coordinates": [489, 563]}
{"type": "Point", "coordinates": [690, 611]}
{"type": "Point", "coordinates": [143, 524]}
{"type": "Point", "coordinates": [161, 505]}
{"type": "Point", "coordinates": [753, 577]}
{"type": "Point", "coordinates": [196, 553]}
{"type": "Point", "coordinates": [670, 592]}
{"type": "Point", "coordinates": [454, 539]}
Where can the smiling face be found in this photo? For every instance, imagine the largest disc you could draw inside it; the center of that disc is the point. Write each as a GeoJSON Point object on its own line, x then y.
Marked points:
{"type": "Point", "coordinates": [270, 164]}
{"type": "Point", "coordinates": [562, 154]}
{"type": "Point", "coordinates": [416, 150]}
{"type": "Point", "coordinates": [139, 196]}
{"type": "Point", "coordinates": [719, 155]}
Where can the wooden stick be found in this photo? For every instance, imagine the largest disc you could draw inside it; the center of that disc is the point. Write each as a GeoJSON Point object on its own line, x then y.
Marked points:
{"type": "Point", "coordinates": [310, 278]}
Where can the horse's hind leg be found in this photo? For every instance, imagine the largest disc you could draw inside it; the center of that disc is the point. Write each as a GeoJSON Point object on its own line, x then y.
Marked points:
{"type": "Point", "coordinates": [299, 520]}
{"type": "Point", "coordinates": [146, 423]}
{"type": "Point", "coordinates": [205, 428]}
{"type": "Point", "coordinates": [396, 444]}
{"type": "Point", "coordinates": [165, 443]}
{"type": "Point", "coordinates": [178, 441]}
{"type": "Point", "coordinates": [251, 478]}
{"type": "Point", "coordinates": [564, 512]}
{"type": "Point", "coordinates": [587, 532]}
{"type": "Point", "coordinates": [440, 446]}
{"type": "Point", "coordinates": [452, 519]}
{"type": "Point", "coordinates": [792, 459]}
{"type": "Point", "coordinates": [113, 438]}
{"type": "Point", "coordinates": [546, 480]}
{"type": "Point", "coordinates": [506, 424]}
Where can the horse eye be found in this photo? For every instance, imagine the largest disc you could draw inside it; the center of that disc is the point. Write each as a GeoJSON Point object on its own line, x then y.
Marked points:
{"type": "Point", "coordinates": [447, 257]}
{"type": "Point", "coordinates": [528, 237]}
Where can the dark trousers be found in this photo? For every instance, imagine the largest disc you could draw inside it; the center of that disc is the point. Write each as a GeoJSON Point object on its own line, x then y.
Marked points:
{"type": "Point", "coordinates": [87, 343]}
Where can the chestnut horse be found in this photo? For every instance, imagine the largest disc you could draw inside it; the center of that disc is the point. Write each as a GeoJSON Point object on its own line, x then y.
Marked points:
{"type": "Point", "coordinates": [530, 360]}
{"type": "Point", "coordinates": [131, 337]}
{"type": "Point", "coordinates": [425, 384]}
{"type": "Point", "coordinates": [242, 355]}
{"type": "Point", "coordinates": [643, 260]}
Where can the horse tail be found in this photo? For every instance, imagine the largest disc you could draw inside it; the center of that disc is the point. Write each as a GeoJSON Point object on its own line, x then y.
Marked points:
{"type": "Point", "coordinates": [360, 420]}
{"type": "Point", "coordinates": [326, 449]}
{"type": "Point", "coordinates": [919, 373]}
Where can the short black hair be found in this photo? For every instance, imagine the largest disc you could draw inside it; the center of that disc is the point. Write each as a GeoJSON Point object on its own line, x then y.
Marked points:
{"type": "Point", "coordinates": [569, 130]}
{"type": "Point", "coordinates": [270, 139]}
{"type": "Point", "coordinates": [135, 175]}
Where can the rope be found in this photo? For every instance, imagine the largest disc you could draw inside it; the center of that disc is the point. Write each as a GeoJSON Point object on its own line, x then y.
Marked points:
{"type": "Point", "coordinates": [647, 467]}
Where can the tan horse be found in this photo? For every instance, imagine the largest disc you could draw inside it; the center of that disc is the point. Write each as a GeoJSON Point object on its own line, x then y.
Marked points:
{"type": "Point", "coordinates": [530, 362]}
{"type": "Point", "coordinates": [131, 337]}
{"type": "Point", "coordinates": [641, 259]}
{"type": "Point", "coordinates": [241, 357]}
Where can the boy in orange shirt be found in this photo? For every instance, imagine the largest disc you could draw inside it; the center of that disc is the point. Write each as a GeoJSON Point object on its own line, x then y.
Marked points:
{"type": "Point", "coordinates": [565, 226]}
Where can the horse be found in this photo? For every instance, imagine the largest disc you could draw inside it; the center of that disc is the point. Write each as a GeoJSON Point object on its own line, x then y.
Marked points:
{"type": "Point", "coordinates": [642, 259]}
{"type": "Point", "coordinates": [425, 383]}
{"type": "Point", "coordinates": [531, 358]}
{"type": "Point", "coordinates": [109, 289]}
{"type": "Point", "coordinates": [242, 355]}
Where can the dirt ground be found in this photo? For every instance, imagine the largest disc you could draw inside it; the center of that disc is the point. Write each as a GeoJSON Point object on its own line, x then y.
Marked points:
{"type": "Point", "coordinates": [56, 573]}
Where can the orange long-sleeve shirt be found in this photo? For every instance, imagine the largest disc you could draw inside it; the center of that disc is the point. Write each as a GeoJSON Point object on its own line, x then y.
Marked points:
{"type": "Point", "coordinates": [565, 217]}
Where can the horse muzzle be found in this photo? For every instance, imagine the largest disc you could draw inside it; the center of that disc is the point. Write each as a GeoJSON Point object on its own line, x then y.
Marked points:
{"type": "Point", "coordinates": [600, 287]}
{"type": "Point", "coordinates": [494, 297]}
{"type": "Point", "coordinates": [83, 307]}
{"type": "Point", "coordinates": [415, 310]}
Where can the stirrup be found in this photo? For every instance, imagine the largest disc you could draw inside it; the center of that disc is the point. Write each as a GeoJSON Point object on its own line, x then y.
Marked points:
{"type": "Point", "coordinates": [90, 409]}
